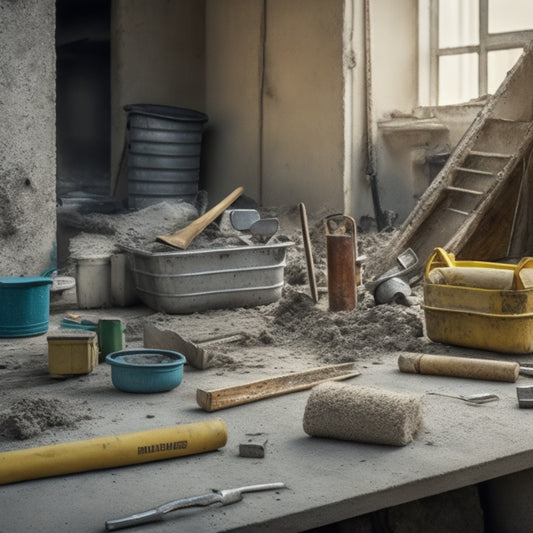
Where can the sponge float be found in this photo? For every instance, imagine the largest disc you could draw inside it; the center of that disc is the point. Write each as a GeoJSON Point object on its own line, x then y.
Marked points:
{"type": "Point", "coordinates": [362, 414]}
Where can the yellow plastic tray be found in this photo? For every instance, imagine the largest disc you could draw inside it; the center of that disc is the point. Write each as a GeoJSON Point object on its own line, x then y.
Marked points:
{"type": "Point", "coordinates": [489, 319]}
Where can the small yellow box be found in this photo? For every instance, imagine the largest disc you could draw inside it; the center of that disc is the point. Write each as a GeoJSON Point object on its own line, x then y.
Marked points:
{"type": "Point", "coordinates": [71, 353]}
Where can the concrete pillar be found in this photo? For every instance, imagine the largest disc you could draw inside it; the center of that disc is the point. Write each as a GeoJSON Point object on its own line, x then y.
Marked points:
{"type": "Point", "coordinates": [27, 137]}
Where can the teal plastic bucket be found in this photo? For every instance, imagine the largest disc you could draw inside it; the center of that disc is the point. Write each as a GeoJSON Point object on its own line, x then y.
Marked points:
{"type": "Point", "coordinates": [24, 306]}
{"type": "Point", "coordinates": [146, 370]}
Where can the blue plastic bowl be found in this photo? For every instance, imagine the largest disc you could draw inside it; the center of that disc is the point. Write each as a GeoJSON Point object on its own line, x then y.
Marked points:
{"type": "Point", "coordinates": [24, 306]}
{"type": "Point", "coordinates": [146, 370]}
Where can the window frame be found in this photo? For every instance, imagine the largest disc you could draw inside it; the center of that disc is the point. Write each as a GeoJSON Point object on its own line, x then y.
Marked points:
{"type": "Point", "coordinates": [488, 42]}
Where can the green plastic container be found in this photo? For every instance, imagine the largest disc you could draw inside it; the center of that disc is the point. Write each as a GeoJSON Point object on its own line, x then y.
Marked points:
{"type": "Point", "coordinates": [24, 306]}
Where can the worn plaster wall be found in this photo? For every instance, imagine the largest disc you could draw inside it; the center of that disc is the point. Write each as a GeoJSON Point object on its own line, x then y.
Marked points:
{"type": "Point", "coordinates": [157, 57]}
{"type": "Point", "coordinates": [27, 137]}
{"type": "Point", "coordinates": [357, 192]}
{"type": "Point", "coordinates": [303, 119]}
{"type": "Point", "coordinates": [234, 43]}
{"type": "Point", "coordinates": [388, 84]}
{"type": "Point", "coordinates": [286, 93]}
{"type": "Point", "coordinates": [269, 78]}
{"type": "Point", "coordinates": [283, 83]}
{"type": "Point", "coordinates": [394, 51]}
{"type": "Point", "coordinates": [275, 98]}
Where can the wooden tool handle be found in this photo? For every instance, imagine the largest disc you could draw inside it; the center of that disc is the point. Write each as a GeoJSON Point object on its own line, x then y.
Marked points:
{"type": "Point", "coordinates": [183, 237]}
{"type": "Point", "coordinates": [213, 400]}
{"type": "Point", "coordinates": [460, 367]}
{"type": "Point", "coordinates": [308, 252]}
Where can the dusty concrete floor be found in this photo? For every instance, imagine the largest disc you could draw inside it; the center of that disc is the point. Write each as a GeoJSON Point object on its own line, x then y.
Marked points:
{"type": "Point", "coordinates": [328, 481]}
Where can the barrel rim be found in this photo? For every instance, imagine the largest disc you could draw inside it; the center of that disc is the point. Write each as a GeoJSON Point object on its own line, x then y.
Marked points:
{"type": "Point", "coordinates": [168, 112]}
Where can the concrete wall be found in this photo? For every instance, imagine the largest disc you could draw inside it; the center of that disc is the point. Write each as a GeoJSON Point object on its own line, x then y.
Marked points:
{"type": "Point", "coordinates": [391, 85]}
{"type": "Point", "coordinates": [234, 42]}
{"type": "Point", "coordinates": [394, 48]}
{"type": "Point", "coordinates": [157, 57]}
{"type": "Point", "coordinates": [27, 137]}
{"type": "Point", "coordinates": [270, 79]}
{"type": "Point", "coordinates": [275, 100]}
{"type": "Point", "coordinates": [303, 118]}
{"type": "Point", "coordinates": [283, 84]}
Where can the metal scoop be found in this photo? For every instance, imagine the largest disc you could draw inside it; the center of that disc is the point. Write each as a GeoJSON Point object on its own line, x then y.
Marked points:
{"type": "Point", "coordinates": [471, 398]}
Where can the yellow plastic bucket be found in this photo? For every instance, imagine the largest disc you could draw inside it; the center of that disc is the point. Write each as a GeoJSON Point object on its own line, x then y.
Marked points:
{"type": "Point", "coordinates": [490, 319]}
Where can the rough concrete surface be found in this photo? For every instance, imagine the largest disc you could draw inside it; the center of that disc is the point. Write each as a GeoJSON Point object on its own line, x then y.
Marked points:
{"type": "Point", "coordinates": [329, 481]}
{"type": "Point", "coordinates": [27, 137]}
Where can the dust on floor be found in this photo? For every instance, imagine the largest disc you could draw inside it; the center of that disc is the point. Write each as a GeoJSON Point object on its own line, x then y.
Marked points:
{"type": "Point", "coordinates": [295, 324]}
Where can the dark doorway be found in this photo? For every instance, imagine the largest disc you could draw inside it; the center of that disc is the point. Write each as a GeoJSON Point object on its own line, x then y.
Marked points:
{"type": "Point", "coordinates": [83, 96]}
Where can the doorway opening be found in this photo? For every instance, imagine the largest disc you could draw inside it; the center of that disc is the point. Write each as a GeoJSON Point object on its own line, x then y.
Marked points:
{"type": "Point", "coordinates": [83, 92]}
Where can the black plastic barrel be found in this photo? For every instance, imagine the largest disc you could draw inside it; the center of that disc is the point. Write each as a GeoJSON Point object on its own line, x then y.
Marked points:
{"type": "Point", "coordinates": [164, 146]}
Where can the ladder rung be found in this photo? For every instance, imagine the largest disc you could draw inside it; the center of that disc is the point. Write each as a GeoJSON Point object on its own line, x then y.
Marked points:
{"type": "Point", "coordinates": [466, 191]}
{"type": "Point", "coordinates": [457, 211]}
{"type": "Point", "coordinates": [475, 171]}
{"type": "Point", "coordinates": [490, 154]}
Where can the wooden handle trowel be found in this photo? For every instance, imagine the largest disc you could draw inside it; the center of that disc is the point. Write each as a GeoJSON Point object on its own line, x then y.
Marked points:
{"type": "Point", "coordinates": [183, 237]}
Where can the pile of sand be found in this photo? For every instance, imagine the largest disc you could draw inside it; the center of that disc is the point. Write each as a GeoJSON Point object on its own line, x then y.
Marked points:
{"type": "Point", "coordinates": [27, 417]}
{"type": "Point", "coordinates": [365, 332]}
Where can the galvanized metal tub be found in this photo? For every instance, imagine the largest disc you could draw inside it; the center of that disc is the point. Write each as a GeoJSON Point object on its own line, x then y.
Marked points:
{"type": "Point", "coordinates": [186, 281]}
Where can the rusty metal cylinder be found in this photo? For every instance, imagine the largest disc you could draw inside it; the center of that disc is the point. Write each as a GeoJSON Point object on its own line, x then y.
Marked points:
{"type": "Point", "coordinates": [341, 272]}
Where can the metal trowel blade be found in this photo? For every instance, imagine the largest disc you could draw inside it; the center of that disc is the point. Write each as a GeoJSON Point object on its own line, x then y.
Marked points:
{"type": "Point", "coordinates": [264, 228]}
{"type": "Point", "coordinates": [242, 219]}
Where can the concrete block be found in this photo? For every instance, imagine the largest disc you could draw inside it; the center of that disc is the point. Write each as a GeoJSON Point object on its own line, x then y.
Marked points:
{"type": "Point", "coordinates": [253, 447]}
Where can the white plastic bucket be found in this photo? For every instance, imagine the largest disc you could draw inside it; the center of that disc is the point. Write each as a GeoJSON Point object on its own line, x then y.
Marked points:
{"type": "Point", "coordinates": [93, 282]}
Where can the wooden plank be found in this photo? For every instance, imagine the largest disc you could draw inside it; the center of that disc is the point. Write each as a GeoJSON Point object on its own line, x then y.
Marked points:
{"type": "Point", "coordinates": [466, 191]}
{"type": "Point", "coordinates": [308, 252]}
{"type": "Point", "coordinates": [474, 171]}
{"type": "Point", "coordinates": [490, 154]}
{"type": "Point", "coordinates": [458, 211]}
{"type": "Point", "coordinates": [213, 400]}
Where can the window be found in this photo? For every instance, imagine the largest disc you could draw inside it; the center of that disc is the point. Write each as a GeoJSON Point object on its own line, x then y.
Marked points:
{"type": "Point", "coordinates": [472, 45]}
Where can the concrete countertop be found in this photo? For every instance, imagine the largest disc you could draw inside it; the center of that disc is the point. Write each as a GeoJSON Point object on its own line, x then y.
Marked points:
{"type": "Point", "coordinates": [327, 480]}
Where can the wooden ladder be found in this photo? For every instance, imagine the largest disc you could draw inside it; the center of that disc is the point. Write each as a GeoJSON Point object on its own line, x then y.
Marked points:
{"type": "Point", "coordinates": [470, 207]}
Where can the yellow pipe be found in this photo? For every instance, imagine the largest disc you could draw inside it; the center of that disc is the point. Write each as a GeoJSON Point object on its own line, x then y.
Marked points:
{"type": "Point", "coordinates": [108, 452]}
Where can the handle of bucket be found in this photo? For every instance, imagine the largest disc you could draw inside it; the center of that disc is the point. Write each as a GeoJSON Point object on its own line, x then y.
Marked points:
{"type": "Point", "coordinates": [48, 273]}
{"type": "Point", "coordinates": [439, 255]}
{"type": "Point", "coordinates": [525, 262]}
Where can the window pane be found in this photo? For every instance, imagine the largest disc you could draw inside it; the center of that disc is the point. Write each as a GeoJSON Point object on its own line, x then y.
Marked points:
{"type": "Point", "coordinates": [498, 64]}
{"type": "Point", "coordinates": [510, 15]}
{"type": "Point", "coordinates": [458, 23]}
{"type": "Point", "coordinates": [458, 78]}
